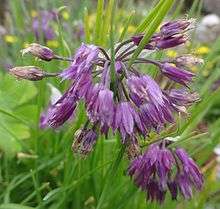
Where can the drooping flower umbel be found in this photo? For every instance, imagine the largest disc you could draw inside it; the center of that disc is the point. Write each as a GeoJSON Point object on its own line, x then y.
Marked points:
{"type": "Point", "coordinates": [161, 169]}
{"type": "Point", "coordinates": [121, 99]}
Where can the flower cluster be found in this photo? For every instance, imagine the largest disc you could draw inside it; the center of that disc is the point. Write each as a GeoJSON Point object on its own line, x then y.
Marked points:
{"type": "Point", "coordinates": [120, 98]}
{"type": "Point", "coordinates": [160, 169]}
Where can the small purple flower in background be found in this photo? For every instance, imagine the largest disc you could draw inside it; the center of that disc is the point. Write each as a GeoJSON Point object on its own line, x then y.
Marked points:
{"type": "Point", "coordinates": [124, 100]}
{"type": "Point", "coordinates": [41, 25]}
{"type": "Point", "coordinates": [158, 171]}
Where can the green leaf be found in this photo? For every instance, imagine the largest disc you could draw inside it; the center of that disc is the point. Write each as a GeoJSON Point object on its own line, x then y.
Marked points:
{"type": "Point", "coordinates": [145, 23]}
{"type": "Point", "coordinates": [99, 21]}
{"type": "Point", "coordinates": [86, 25]}
{"type": "Point", "coordinates": [127, 23]}
{"type": "Point", "coordinates": [14, 93]}
{"type": "Point", "coordinates": [106, 23]}
{"type": "Point", "coordinates": [14, 206]}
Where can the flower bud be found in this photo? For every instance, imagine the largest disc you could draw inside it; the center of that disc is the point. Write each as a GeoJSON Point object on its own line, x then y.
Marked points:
{"type": "Point", "coordinates": [188, 61]}
{"type": "Point", "coordinates": [39, 51]}
{"type": "Point", "coordinates": [31, 73]}
{"type": "Point", "coordinates": [84, 142]}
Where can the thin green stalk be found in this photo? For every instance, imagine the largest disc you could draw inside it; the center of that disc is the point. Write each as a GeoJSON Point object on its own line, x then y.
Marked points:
{"type": "Point", "coordinates": [106, 23]}
{"type": "Point", "coordinates": [145, 23]}
{"type": "Point", "coordinates": [126, 25]}
{"type": "Point", "coordinates": [99, 21]}
{"type": "Point", "coordinates": [112, 42]}
{"type": "Point", "coordinates": [110, 177]}
{"type": "Point", "coordinates": [37, 188]}
{"type": "Point", "coordinates": [86, 25]}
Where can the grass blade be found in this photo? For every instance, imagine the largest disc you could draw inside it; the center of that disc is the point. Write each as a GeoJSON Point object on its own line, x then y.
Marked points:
{"type": "Point", "coordinates": [99, 17]}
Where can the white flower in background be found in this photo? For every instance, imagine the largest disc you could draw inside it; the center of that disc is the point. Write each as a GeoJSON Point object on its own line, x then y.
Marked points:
{"type": "Point", "coordinates": [208, 29]}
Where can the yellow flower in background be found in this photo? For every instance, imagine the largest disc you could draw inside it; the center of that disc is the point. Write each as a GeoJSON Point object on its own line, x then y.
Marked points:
{"type": "Point", "coordinates": [26, 44]}
{"type": "Point", "coordinates": [65, 15]}
{"type": "Point", "coordinates": [205, 73]}
{"type": "Point", "coordinates": [10, 39]}
{"type": "Point", "coordinates": [171, 53]}
{"type": "Point", "coordinates": [92, 19]}
{"type": "Point", "coordinates": [202, 50]}
{"type": "Point", "coordinates": [131, 29]}
{"type": "Point", "coordinates": [52, 43]}
{"type": "Point", "coordinates": [210, 65]}
{"type": "Point", "coordinates": [194, 69]}
{"type": "Point", "coordinates": [34, 13]}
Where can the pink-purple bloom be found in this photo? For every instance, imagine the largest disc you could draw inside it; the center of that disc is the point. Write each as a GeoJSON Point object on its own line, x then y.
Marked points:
{"type": "Point", "coordinates": [176, 74]}
{"type": "Point", "coordinates": [171, 34]}
{"type": "Point", "coordinates": [82, 61]}
{"type": "Point", "coordinates": [161, 169]}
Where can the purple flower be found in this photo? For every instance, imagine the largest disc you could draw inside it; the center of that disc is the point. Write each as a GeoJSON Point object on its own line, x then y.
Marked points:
{"type": "Point", "coordinates": [125, 119]}
{"type": "Point", "coordinates": [173, 41]}
{"type": "Point", "coordinates": [146, 90]}
{"type": "Point", "coordinates": [189, 169]}
{"type": "Point", "coordinates": [171, 35]}
{"type": "Point", "coordinates": [61, 111]}
{"type": "Point", "coordinates": [85, 141]}
{"type": "Point", "coordinates": [155, 108]}
{"type": "Point", "coordinates": [151, 171]}
{"type": "Point", "coordinates": [183, 97]}
{"type": "Point", "coordinates": [175, 27]}
{"type": "Point", "coordinates": [154, 172]}
{"type": "Point", "coordinates": [83, 61]}
{"type": "Point", "coordinates": [176, 74]}
{"type": "Point", "coordinates": [100, 105]}
{"type": "Point", "coordinates": [41, 24]}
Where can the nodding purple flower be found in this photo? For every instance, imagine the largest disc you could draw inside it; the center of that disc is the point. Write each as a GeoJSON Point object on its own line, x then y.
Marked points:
{"type": "Point", "coordinates": [41, 24]}
{"type": "Point", "coordinates": [176, 74]}
{"type": "Point", "coordinates": [154, 172]}
{"type": "Point", "coordinates": [101, 105]}
{"type": "Point", "coordinates": [181, 97]}
{"type": "Point", "coordinates": [171, 35]}
{"type": "Point", "coordinates": [175, 27]}
{"type": "Point", "coordinates": [84, 142]}
{"type": "Point", "coordinates": [61, 111]}
{"type": "Point", "coordinates": [125, 119]}
{"type": "Point", "coordinates": [82, 62]}
{"type": "Point", "coordinates": [189, 169]}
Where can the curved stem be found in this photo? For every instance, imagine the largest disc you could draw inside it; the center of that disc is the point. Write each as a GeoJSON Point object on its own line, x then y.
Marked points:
{"type": "Point", "coordinates": [104, 53]}
{"type": "Point", "coordinates": [51, 74]}
{"type": "Point", "coordinates": [124, 55]}
{"type": "Point", "coordinates": [122, 44]}
{"type": "Point", "coordinates": [57, 57]}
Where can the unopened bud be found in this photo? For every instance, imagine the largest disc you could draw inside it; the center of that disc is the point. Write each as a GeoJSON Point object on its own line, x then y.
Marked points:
{"type": "Point", "coordinates": [31, 73]}
{"type": "Point", "coordinates": [39, 51]}
{"type": "Point", "coordinates": [188, 61]}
